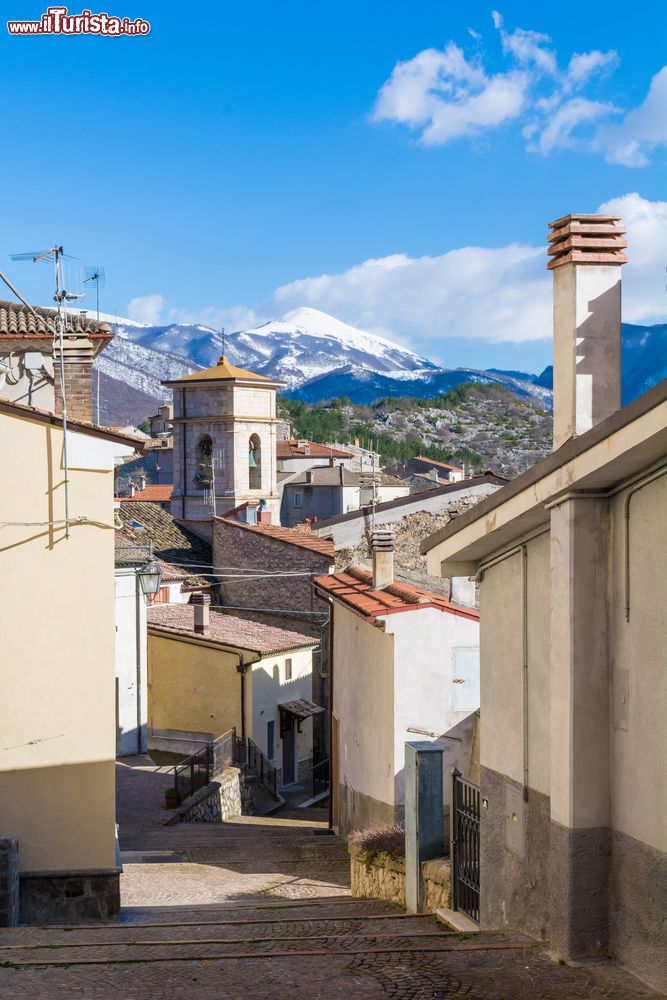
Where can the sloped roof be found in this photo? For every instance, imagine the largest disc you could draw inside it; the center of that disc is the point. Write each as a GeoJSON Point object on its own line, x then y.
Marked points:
{"type": "Point", "coordinates": [303, 539]}
{"type": "Point", "coordinates": [180, 552]}
{"type": "Point", "coordinates": [431, 462]}
{"type": "Point", "coordinates": [16, 320]}
{"type": "Point", "coordinates": [325, 475]}
{"type": "Point", "coordinates": [73, 423]}
{"type": "Point", "coordinates": [227, 629]}
{"type": "Point", "coordinates": [354, 588]}
{"type": "Point", "coordinates": [152, 493]}
{"type": "Point", "coordinates": [312, 449]}
{"type": "Point", "coordinates": [224, 371]}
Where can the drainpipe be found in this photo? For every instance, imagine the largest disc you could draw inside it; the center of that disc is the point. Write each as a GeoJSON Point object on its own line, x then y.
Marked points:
{"type": "Point", "coordinates": [185, 453]}
{"type": "Point", "coordinates": [330, 713]}
{"type": "Point", "coordinates": [651, 478]}
{"type": "Point", "coordinates": [242, 669]}
{"type": "Point", "coordinates": [138, 599]}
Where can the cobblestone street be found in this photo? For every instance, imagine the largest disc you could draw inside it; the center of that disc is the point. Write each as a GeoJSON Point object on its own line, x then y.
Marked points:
{"type": "Point", "coordinates": [259, 908]}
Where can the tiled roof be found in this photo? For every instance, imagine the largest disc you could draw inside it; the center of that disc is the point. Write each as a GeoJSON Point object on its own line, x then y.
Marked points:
{"type": "Point", "coordinates": [153, 493]}
{"type": "Point", "coordinates": [325, 475]}
{"type": "Point", "coordinates": [432, 464]}
{"type": "Point", "coordinates": [291, 449]}
{"type": "Point", "coordinates": [223, 372]}
{"type": "Point", "coordinates": [304, 539]}
{"type": "Point", "coordinates": [354, 588]}
{"type": "Point", "coordinates": [182, 553]}
{"type": "Point", "coordinates": [18, 321]}
{"type": "Point", "coordinates": [227, 629]}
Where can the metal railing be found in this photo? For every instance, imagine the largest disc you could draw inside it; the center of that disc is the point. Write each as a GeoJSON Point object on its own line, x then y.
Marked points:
{"type": "Point", "coordinates": [251, 756]}
{"type": "Point", "coordinates": [464, 845]}
{"type": "Point", "coordinates": [225, 752]}
{"type": "Point", "coordinates": [320, 773]}
{"type": "Point", "coordinates": [193, 773]}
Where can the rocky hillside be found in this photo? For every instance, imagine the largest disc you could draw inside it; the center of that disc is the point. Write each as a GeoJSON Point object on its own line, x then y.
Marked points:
{"type": "Point", "coordinates": [481, 426]}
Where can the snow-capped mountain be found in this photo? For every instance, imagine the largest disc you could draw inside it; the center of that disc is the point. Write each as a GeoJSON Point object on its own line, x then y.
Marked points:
{"type": "Point", "coordinates": [319, 357]}
{"type": "Point", "coordinates": [307, 343]}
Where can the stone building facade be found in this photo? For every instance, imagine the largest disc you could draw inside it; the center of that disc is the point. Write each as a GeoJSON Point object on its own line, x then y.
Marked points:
{"type": "Point", "coordinates": [225, 428]}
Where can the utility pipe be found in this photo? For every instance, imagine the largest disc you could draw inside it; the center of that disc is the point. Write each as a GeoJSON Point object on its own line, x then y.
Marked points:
{"type": "Point", "coordinates": [639, 485]}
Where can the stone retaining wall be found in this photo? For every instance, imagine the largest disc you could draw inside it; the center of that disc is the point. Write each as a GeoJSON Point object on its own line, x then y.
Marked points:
{"type": "Point", "coordinates": [232, 794]}
{"type": "Point", "coordinates": [9, 882]}
{"type": "Point", "coordinates": [380, 876]}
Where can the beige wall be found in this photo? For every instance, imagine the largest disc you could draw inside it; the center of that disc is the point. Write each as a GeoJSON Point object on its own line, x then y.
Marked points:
{"type": "Point", "coordinates": [501, 646]}
{"type": "Point", "coordinates": [194, 688]}
{"type": "Point", "coordinates": [57, 718]}
{"type": "Point", "coordinates": [639, 659]}
{"type": "Point", "coordinates": [363, 659]}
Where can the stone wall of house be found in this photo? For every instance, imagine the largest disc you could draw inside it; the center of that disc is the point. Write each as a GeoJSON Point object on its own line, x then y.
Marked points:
{"type": "Point", "coordinates": [238, 546]}
{"type": "Point", "coordinates": [233, 794]}
{"type": "Point", "coordinates": [380, 876]}
{"type": "Point", "coordinates": [9, 882]}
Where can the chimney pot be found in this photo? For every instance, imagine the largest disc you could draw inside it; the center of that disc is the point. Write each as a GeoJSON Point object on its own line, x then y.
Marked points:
{"type": "Point", "coordinates": [382, 547]}
{"type": "Point", "coordinates": [586, 252]}
{"type": "Point", "coordinates": [310, 475]}
{"type": "Point", "coordinates": [201, 605]}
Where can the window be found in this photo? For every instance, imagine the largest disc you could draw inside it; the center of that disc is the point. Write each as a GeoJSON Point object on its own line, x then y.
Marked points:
{"type": "Point", "coordinates": [288, 668]}
{"type": "Point", "coordinates": [254, 463]}
{"type": "Point", "coordinates": [271, 739]}
{"type": "Point", "coordinates": [298, 499]}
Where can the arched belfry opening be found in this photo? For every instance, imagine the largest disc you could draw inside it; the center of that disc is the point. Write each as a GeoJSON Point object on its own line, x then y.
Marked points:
{"type": "Point", "coordinates": [204, 461]}
{"type": "Point", "coordinates": [254, 463]}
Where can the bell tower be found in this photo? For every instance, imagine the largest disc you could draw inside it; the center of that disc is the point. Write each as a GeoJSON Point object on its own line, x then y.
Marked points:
{"type": "Point", "coordinates": [224, 444]}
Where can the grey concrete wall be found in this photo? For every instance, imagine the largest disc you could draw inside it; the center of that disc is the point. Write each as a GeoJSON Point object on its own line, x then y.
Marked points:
{"type": "Point", "coordinates": [69, 897]}
{"type": "Point", "coordinates": [515, 889]}
{"type": "Point", "coordinates": [348, 532]}
{"type": "Point", "coordinates": [9, 882]}
{"type": "Point", "coordinates": [361, 812]}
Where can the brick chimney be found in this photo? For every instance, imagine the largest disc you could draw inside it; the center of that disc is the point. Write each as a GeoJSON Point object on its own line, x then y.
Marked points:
{"type": "Point", "coordinates": [587, 252]}
{"type": "Point", "coordinates": [382, 547]}
{"type": "Point", "coordinates": [78, 367]}
{"type": "Point", "coordinates": [201, 604]}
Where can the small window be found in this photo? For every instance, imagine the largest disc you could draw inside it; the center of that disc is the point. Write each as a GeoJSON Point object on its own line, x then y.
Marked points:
{"type": "Point", "coordinates": [288, 668]}
{"type": "Point", "coordinates": [298, 499]}
{"type": "Point", "coordinates": [271, 739]}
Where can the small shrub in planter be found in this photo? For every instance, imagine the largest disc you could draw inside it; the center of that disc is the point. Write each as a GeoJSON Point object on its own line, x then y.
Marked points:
{"type": "Point", "coordinates": [380, 840]}
{"type": "Point", "coordinates": [171, 798]}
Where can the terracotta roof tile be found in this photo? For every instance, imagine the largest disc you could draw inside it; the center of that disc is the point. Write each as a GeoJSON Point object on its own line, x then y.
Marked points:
{"type": "Point", "coordinates": [152, 493]}
{"type": "Point", "coordinates": [304, 539]}
{"type": "Point", "coordinates": [227, 629]}
{"type": "Point", "coordinates": [181, 553]}
{"type": "Point", "coordinates": [354, 588]}
{"type": "Point", "coordinates": [291, 449]}
{"type": "Point", "coordinates": [18, 321]}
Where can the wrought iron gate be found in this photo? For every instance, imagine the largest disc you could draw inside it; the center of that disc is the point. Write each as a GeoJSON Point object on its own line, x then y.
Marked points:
{"type": "Point", "coordinates": [464, 850]}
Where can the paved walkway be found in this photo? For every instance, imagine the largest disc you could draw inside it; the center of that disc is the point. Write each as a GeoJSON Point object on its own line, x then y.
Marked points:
{"type": "Point", "coordinates": [260, 909]}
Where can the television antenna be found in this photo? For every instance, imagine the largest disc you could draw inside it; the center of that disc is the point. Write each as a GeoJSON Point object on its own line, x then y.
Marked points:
{"type": "Point", "coordinates": [95, 273]}
{"type": "Point", "coordinates": [61, 295]}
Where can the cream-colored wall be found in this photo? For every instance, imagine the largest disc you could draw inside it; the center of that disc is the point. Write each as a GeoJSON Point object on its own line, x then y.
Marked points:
{"type": "Point", "coordinates": [270, 688]}
{"type": "Point", "coordinates": [501, 651]}
{"type": "Point", "coordinates": [639, 646]}
{"type": "Point", "coordinates": [57, 710]}
{"type": "Point", "coordinates": [194, 688]}
{"type": "Point", "coordinates": [363, 663]}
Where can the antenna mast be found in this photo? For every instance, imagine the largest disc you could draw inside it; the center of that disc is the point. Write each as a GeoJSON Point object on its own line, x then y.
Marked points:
{"type": "Point", "coordinates": [96, 274]}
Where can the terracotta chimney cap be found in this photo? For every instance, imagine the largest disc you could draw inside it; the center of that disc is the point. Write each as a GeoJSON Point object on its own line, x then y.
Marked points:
{"type": "Point", "coordinates": [586, 239]}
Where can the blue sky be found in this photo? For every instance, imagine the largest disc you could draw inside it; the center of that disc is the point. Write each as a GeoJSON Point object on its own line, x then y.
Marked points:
{"type": "Point", "coordinates": [244, 159]}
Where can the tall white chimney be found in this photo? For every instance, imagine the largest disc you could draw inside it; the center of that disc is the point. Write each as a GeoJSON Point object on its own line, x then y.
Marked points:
{"type": "Point", "coordinates": [201, 604]}
{"type": "Point", "coordinates": [382, 546]}
{"type": "Point", "coordinates": [586, 257]}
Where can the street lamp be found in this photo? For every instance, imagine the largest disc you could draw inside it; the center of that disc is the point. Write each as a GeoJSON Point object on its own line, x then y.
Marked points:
{"type": "Point", "coordinates": [150, 576]}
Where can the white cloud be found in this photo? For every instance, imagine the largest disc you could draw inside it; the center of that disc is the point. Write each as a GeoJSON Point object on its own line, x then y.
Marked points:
{"type": "Point", "coordinates": [499, 294]}
{"type": "Point", "coordinates": [146, 309]}
{"type": "Point", "coordinates": [631, 142]}
{"type": "Point", "coordinates": [445, 95]}
{"type": "Point", "coordinates": [583, 65]}
{"type": "Point", "coordinates": [559, 132]}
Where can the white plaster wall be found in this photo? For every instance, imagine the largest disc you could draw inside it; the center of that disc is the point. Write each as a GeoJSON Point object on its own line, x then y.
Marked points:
{"type": "Point", "coordinates": [363, 658]}
{"type": "Point", "coordinates": [131, 677]}
{"type": "Point", "coordinates": [501, 681]}
{"type": "Point", "coordinates": [424, 644]}
{"type": "Point", "coordinates": [639, 657]}
{"type": "Point", "coordinates": [270, 688]}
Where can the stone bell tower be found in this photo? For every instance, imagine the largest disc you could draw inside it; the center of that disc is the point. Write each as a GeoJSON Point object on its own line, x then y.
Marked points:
{"type": "Point", "coordinates": [224, 444]}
